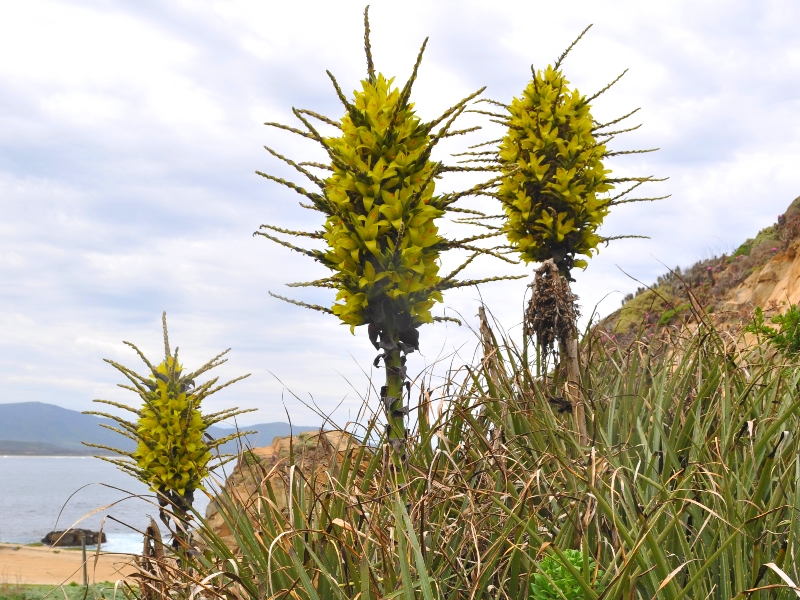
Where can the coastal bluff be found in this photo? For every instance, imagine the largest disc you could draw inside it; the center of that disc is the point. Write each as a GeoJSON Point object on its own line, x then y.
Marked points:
{"type": "Point", "coordinates": [763, 272]}
{"type": "Point", "coordinates": [313, 453]}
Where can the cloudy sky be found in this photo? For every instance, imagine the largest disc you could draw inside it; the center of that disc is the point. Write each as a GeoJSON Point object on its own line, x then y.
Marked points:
{"type": "Point", "coordinates": [130, 132]}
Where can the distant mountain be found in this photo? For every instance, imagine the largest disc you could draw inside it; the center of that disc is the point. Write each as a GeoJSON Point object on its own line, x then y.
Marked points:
{"type": "Point", "coordinates": [13, 448]}
{"type": "Point", "coordinates": [28, 428]}
{"type": "Point", "coordinates": [41, 423]}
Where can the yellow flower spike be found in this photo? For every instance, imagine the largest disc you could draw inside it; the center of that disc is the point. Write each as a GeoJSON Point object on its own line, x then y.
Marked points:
{"type": "Point", "coordinates": [552, 159]}
{"type": "Point", "coordinates": [378, 190]}
{"type": "Point", "coordinates": [171, 456]}
{"type": "Point", "coordinates": [393, 202]}
{"type": "Point", "coordinates": [553, 153]}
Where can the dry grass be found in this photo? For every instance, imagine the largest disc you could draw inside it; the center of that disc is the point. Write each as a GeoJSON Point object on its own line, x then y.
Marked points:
{"type": "Point", "coordinates": [689, 489]}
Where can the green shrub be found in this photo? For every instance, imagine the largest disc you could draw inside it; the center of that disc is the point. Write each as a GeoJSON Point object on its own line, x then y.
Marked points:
{"type": "Point", "coordinates": [769, 234]}
{"type": "Point", "coordinates": [743, 250]}
{"type": "Point", "coordinates": [668, 315]}
{"type": "Point", "coordinates": [555, 575]}
{"type": "Point", "coordinates": [786, 337]}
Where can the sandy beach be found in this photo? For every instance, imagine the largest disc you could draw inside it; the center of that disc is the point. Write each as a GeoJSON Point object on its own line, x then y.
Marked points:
{"type": "Point", "coordinates": [25, 564]}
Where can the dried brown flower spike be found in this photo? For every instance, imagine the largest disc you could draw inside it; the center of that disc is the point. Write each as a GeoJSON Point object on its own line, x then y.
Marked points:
{"type": "Point", "coordinates": [552, 310]}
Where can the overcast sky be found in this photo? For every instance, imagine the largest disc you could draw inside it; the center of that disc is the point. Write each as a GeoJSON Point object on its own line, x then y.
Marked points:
{"type": "Point", "coordinates": [130, 132]}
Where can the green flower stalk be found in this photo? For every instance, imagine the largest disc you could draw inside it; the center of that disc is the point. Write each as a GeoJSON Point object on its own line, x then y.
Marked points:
{"type": "Point", "coordinates": [173, 453]}
{"type": "Point", "coordinates": [381, 233]}
{"type": "Point", "coordinates": [555, 193]}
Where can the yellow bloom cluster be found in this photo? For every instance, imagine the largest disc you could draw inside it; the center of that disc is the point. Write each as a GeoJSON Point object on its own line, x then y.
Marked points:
{"type": "Point", "coordinates": [382, 239]}
{"type": "Point", "coordinates": [171, 453]}
{"type": "Point", "coordinates": [554, 174]}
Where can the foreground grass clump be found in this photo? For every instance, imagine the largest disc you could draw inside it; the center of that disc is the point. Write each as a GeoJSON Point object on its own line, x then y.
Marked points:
{"type": "Point", "coordinates": [689, 488]}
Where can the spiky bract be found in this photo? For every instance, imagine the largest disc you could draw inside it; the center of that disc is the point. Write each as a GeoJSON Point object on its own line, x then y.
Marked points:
{"type": "Point", "coordinates": [172, 455]}
{"type": "Point", "coordinates": [555, 174]}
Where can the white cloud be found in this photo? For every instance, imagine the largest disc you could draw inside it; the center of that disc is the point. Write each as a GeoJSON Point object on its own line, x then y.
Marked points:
{"type": "Point", "coordinates": [65, 44]}
{"type": "Point", "coordinates": [132, 131]}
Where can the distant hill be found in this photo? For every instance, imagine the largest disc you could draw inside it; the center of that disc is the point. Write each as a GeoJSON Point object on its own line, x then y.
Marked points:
{"type": "Point", "coordinates": [36, 428]}
{"type": "Point", "coordinates": [265, 433]}
{"type": "Point", "coordinates": [13, 448]}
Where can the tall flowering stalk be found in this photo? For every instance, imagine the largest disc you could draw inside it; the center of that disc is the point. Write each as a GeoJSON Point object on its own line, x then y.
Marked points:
{"type": "Point", "coordinates": [555, 193]}
{"type": "Point", "coordinates": [173, 453]}
{"type": "Point", "coordinates": [381, 233]}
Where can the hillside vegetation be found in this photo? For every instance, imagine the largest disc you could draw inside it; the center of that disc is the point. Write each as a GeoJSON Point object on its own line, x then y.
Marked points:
{"type": "Point", "coordinates": [727, 287]}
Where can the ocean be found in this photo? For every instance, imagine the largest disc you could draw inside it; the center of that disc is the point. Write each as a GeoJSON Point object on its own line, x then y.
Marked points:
{"type": "Point", "coordinates": [39, 494]}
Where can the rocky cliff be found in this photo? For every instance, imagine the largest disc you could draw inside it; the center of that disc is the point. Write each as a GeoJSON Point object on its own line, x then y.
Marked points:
{"type": "Point", "coordinates": [264, 472]}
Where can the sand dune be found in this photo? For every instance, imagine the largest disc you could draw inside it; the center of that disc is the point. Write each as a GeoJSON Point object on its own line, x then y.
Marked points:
{"type": "Point", "coordinates": [24, 564]}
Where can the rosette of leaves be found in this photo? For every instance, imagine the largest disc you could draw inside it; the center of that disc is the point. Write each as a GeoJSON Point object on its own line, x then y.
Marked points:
{"type": "Point", "coordinates": [173, 453]}
{"type": "Point", "coordinates": [381, 235]}
{"type": "Point", "coordinates": [554, 581]}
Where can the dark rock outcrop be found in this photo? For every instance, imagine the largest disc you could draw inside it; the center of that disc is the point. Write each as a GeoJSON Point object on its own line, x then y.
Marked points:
{"type": "Point", "coordinates": [72, 537]}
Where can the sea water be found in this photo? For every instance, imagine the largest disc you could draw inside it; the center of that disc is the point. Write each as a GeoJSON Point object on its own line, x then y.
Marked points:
{"type": "Point", "coordinates": [41, 494]}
